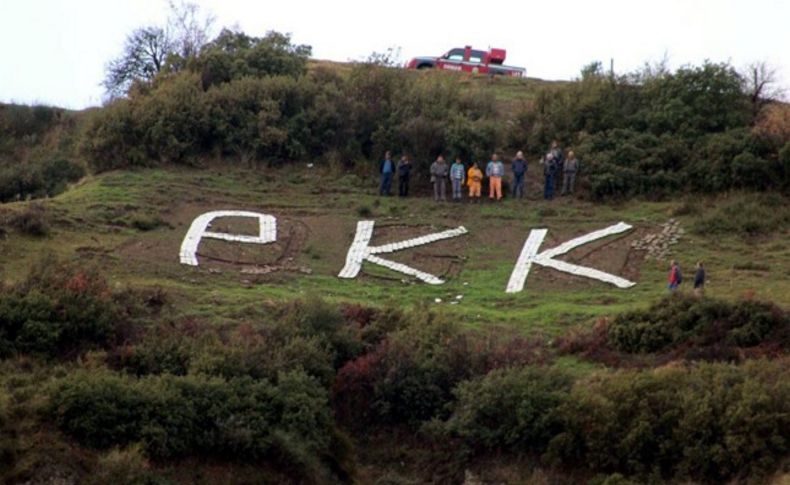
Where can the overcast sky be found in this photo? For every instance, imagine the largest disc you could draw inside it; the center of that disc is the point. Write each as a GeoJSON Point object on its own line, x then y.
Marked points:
{"type": "Point", "coordinates": [55, 51]}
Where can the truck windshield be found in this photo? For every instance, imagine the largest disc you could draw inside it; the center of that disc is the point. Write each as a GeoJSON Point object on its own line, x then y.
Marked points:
{"type": "Point", "coordinates": [455, 55]}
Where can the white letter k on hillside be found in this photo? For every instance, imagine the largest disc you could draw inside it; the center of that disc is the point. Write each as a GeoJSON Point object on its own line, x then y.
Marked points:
{"type": "Point", "coordinates": [529, 254]}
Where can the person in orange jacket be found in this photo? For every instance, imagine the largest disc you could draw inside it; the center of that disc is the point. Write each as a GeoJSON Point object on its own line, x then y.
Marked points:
{"type": "Point", "coordinates": [474, 179]}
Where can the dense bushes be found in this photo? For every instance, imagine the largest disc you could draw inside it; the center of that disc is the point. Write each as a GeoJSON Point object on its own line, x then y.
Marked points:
{"type": "Point", "coordinates": [713, 423]}
{"type": "Point", "coordinates": [750, 215]}
{"type": "Point", "coordinates": [37, 179]}
{"type": "Point", "coordinates": [655, 133]}
{"type": "Point", "coordinates": [509, 409]}
{"type": "Point", "coordinates": [283, 118]}
{"type": "Point", "coordinates": [409, 377]}
{"type": "Point", "coordinates": [28, 123]}
{"type": "Point", "coordinates": [33, 162]}
{"type": "Point", "coordinates": [57, 311]}
{"type": "Point", "coordinates": [274, 392]}
{"type": "Point", "coordinates": [177, 416]}
{"type": "Point", "coordinates": [699, 322]}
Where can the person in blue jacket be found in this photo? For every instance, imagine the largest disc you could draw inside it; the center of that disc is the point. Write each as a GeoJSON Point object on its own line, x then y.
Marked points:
{"type": "Point", "coordinates": [519, 167]}
{"type": "Point", "coordinates": [549, 169]}
{"type": "Point", "coordinates": [386, 169]}
{"type": "Point", "coordinates": [457, 177]}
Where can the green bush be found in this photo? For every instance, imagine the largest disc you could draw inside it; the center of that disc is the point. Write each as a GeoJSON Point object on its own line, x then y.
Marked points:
{"type": "Point", "coordinates": [48, 177]}
{"type": "Point", "coordinates": [179, 416]}
{"type": "Point", "coordinates": [714, 422]}
{"type": "Point", "coordinates": [59, 310]}
{"type": "Point", "coordinates": [27, 122]}
{"type": "Point", "coordinates": [509, 409]}
{"type": "Point", "coordinates": [32, 221]}
{"type": "Point", "coordinates": [234, 55]}
{"type": "Point", "coordinates": [124, 466]}
{"type": "Point", "coordinates": [679, 320]}
{"type": "Point", "coordinates": [409, 376]}
{"type": "Point", "coordinates": [746, 215]}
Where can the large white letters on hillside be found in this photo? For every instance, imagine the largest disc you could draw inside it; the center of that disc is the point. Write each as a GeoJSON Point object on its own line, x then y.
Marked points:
{"type": "Point", "coordinates": [198, 230]}
{"type": "Point", "coordinates": [361, 251]}
{"type": "Point", "coordinates": [529, 254]}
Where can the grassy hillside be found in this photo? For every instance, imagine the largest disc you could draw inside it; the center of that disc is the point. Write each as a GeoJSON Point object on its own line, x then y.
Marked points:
{"type": "Point", "coordinates": [132, 224]}
{"type": "Point", "coordinates": [122, 365]}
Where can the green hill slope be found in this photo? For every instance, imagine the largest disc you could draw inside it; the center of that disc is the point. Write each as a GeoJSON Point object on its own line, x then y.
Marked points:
{"type": "Point", "coordinates": [132, 224]}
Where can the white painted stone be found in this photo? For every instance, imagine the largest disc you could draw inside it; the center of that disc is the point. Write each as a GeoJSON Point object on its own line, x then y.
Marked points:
{"type": "Point", "coordinates": [529, 254]}
{"type": "Point", "coordinates": [360, 251]}
{"type": "Point", "coordinates": [267, 233]}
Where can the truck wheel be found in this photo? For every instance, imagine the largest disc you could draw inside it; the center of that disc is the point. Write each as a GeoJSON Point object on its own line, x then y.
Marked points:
{"type": "Point", "coordinates": [424, 66]}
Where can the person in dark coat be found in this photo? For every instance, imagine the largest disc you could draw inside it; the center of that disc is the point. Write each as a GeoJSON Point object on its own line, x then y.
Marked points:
{"type": "Point", "coordinates": [519, 168]}
{"type": "Point", "coordinates": [699, 280]}
{"type": "Point", "coordinates": [404, 171]}
{"type": "Point", "coordinates": [549, 169]}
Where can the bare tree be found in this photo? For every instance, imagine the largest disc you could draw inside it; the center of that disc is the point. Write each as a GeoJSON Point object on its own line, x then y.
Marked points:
{"type": "Point", "coordinates": [149, 50]}
{"type": "Point", "coordinates": [190, 28]}
{"type": "Point", "coordinates": [144, 55]}
{"type": "Point", "coordinates": [760, 84]}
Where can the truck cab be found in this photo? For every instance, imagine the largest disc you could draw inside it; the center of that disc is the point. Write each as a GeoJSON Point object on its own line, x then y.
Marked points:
{"type": "Point", "coordinates": [467, 59]}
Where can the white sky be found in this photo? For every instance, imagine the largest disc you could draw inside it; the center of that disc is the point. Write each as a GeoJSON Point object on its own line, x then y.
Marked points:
{"type": "Point", "coordinates": [54, 51]}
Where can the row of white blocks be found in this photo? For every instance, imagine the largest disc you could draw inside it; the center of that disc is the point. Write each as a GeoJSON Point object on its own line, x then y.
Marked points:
{"type": "Point", "coordinates": [267, 233]}
{"type": "Point", "coordinates": [361, 251]}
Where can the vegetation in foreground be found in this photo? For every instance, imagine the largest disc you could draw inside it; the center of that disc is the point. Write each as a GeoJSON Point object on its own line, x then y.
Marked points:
{"type": "Point", "coordinates": [296, 390]}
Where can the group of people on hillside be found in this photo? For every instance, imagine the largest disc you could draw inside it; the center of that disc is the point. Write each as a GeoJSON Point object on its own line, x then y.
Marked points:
{"type": "Point", "coordinates": [675, 278]}
{"type": "Point", "coordinates": [553, 163]}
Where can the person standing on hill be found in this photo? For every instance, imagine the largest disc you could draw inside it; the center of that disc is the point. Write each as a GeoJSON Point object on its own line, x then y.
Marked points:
{"type": "Point", "coordinates": [439, 172]}
{"type": "Point", "coordinates": [569, 169]}
{"type": "Point", "coordinates": [699, 280]}
{"type": "Point", "coordinates": [386, 169]}
{"type": "Point", "coordinates": [404, 171]}
{"type": "Point", "coordinates": [559, 159]}
{"type": "Point", "coordinates": [675, 276]}
{"type": "Point", "coordinates": [457, 174]}
{"type": "Point", "coordinates": [474, 179]}
{"type": "Point", "coordinates": [495, 170]}
{"type": "Point", "coordinates": [549, 169]}
{"type": "Point", "coordinates": [519, 167]}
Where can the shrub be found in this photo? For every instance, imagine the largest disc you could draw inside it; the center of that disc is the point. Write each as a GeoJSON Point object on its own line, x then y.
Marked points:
{"type": "Point", "coordinates": [124, 466]}
{"type": "Point", "coordinates": [27, 122]}
{"type": "Point", "coordinates": [509, 409]}
{"type": "Point", "coordinates": [59, 310]}
{"type": "Point", "coordinates": [234, 55]}
{"type": "Point", "coordinates": [179, 416]}
{"type": "Point", "coordinates": [31, 221]}
{"type": "Point", "coordinates": [701, 322]}
{"type": "Point", "coordinates": [747, 215]}
{"type": "Point", "coordinates": [36, 179]}
{"type": "Point", "coordinates": [409, 376]}
{"type": "Point", "coordinates": [714, 422]}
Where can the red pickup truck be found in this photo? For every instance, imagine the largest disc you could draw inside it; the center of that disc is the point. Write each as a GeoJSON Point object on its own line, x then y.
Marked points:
{"type": "Point", "coordinates": [469, 60]}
